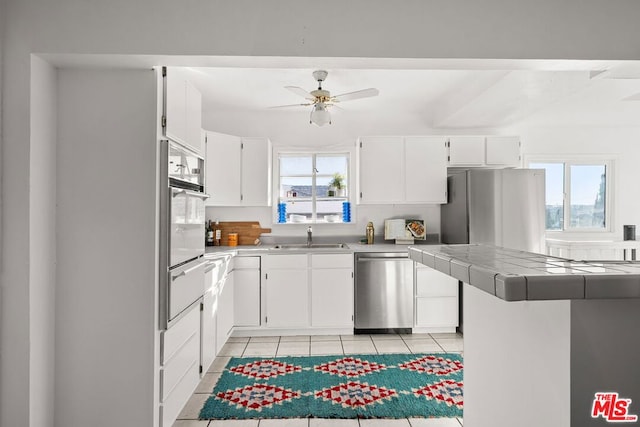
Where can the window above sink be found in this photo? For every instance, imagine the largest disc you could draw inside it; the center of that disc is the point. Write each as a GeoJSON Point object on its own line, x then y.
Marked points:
{"type": "Point", "coordinates": [313, 188]}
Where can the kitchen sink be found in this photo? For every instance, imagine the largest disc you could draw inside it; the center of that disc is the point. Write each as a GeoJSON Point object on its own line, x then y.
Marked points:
{"type": "Point", "coordinates": [311, 246]}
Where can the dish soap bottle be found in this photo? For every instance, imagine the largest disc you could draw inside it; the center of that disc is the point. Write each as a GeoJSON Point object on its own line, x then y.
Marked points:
{"type": "Point", "coordinates": [370, 231]}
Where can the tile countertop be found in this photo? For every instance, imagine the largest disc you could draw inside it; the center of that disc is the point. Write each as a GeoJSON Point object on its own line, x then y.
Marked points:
{"type": "Point", "coordinates": [517, 275]}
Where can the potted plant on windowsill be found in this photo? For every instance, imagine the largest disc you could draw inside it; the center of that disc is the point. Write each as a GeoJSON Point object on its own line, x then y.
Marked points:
{"type": "Point", "coordinates": [336, 186]}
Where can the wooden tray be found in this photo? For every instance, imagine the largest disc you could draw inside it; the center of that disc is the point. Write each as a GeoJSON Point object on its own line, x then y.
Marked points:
{"type": "Point", "coordinates": [248, 232]}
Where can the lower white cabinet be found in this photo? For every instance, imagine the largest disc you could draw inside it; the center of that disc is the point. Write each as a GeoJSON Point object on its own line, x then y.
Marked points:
{"type": "Point", "coordinates": [224, 322]}
{"type": "Point", "coordinates": [209, 315]}
{"type": "Point", "coordinates": [308, 291]}
{"type": "Point", "coordinates": [436, 300]}
{"type": "Point", "coordinates": [180, 364]}
{"type": "Point", "coordinates": [286, 291]}
{"type": "Point", "coordinates": [246, 289]}
{"type": "Point", "coordinates": [332, 290]}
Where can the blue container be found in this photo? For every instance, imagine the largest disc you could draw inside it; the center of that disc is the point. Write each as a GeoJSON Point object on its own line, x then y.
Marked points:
{"type": "Point", "coordinates": [346, 212]}
{"type": "Point", "coordinates": [282, 213]}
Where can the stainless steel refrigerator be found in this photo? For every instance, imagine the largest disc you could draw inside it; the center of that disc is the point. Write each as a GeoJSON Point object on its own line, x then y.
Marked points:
{"type": "Point", "coordinates": [500, 207]}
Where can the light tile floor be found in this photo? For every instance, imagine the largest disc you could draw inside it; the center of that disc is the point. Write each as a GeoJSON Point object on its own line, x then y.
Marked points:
{"type": "Point", "coordinates": [317, 345]}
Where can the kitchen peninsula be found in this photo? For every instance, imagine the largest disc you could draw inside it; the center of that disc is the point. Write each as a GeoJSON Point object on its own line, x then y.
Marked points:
{"type": "Point", "coordinates": [543, 335]}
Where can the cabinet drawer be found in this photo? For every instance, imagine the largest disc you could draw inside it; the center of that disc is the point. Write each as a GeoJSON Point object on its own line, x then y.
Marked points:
{"type": "Point", "coordinates": [243, 262]}
{"type": "Point", "coordinates": [171, 407]}
{"type": "Point", "coordinates": [437, 312]}
{"type": "Point", "coordinates": [179, 365]}
{"type": "Point", "coordinates": [430, 282]}
{"type": "Point", "coordinates": [298, 261]}
{"type": "Point", "coordinates": [186, 285]}
{"type": "Point", "coordinates": [174, 338]}
{"type": "Point", "coordinates": [332, 261]}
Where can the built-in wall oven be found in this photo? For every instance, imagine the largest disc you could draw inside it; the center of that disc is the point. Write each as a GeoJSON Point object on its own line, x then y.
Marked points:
{"type": "Point", "coordinates": [182, 231]}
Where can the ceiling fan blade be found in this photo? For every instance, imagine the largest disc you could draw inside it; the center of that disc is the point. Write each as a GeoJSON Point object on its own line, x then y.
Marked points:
{"type": "Point", "coordinates": [364, 93]}
{"type": "Point", "coordinates": [301, 92]}
{"type": "Point", "coordinates": [292, 105]}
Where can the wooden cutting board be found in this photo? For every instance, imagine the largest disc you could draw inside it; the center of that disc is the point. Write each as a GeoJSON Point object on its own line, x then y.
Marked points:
{"type": "Point", "coordinates": [248, 232]}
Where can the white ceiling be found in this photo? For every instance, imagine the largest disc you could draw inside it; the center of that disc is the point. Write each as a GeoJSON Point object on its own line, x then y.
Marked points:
{"type": "Point", "coordinates": [469, 94]}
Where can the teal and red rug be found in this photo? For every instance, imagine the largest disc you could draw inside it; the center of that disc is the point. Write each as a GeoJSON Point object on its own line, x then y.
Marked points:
{"type": "Point", "coordinates": [358, 386]}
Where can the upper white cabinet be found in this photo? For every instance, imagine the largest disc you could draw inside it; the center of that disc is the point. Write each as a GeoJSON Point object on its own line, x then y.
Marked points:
{"type": "Point", "coordinates": [256, 172]}
{"type": "Point", "coordinates": [503, 150]}
{"type": "Point", "coordinates": [402, 170]}
{"type": "Point", "coordinates": [479, 151]}
{"type": "Point", "coordinates": [426, 169]}
{"type": "Point", "coordinates": [466, 150]}
{"type": "Point", "coordinates": [238, 170]}
{"type": "Point", "coordinates": [183, 110]}
{"type": "Point", "coordinates": [381, 165]}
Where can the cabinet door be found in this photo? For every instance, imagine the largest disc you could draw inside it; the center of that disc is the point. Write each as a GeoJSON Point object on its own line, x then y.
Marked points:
{"type": "Point", "coordinates": [208, 345]}
{"type": "Point", "coordinates": [223, 156]}
{"type": "Point", "coordinates": [225, 312]}
{"type": "Point", "coordinates": [440, 312]}
{"type": "Point", "coordinates": [175, 106]}
{"type": "Point", "coordinates": [332, 297]}
{"type": "Point", "coordinates": [426, 169]}
{"type": "Point", "coordinates": [193, 120]}
{"type": "Point", "coordinates": [503, 150]}
{"type": "Point", "coordinates": [246, 288]}
{"type": "Point", "coordinates": [466, 150]}
{"type": "Point", "coordinates": [287, 298]}
{"type": "Point", "coordinates": [256, 172]}
{"type": "Point", "coordinates": [431, 282]}
{"type": "Point", "coordinates": [381, 170]}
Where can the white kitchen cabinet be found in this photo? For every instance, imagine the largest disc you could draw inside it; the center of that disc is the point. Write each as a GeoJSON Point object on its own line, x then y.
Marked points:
{"type": "Point", "coordinates": [183, 110]}
{"type": "Point", "coordinates": [466, 151]}
{"type": "Point", "coordinates": [246, 287]}
{"type": "Point", "coordinates": [180, 364]}
{"type": "Point", "coordinates": [425, 169]}
{"type": "Point", "coordinates": [484, 151]}
{"type": "Point", "coordinates": [332, 290]}
{"type": "Point", "coordinates": [225, 317]}
{"type": "Point", "coordinates": [402, 170]}
{"type": "Point", "coordinates": [436, 300]}
{"type": "Point", "coordinates": [214, 273]}
{"type": "Point", "coordinates": [256, 172]}
{"type": "Point", "coordinates": [286, 291]}
{"type": "Point", "coordinates": [381, 171]}
{"type": "Point", "coordinates": [238, 170]}
{"type": "Point", "coordinates": [503, 151]}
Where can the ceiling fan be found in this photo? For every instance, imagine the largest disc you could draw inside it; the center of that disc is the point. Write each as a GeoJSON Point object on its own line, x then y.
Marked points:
{"type": "Point", "coordinates": [321, 99]}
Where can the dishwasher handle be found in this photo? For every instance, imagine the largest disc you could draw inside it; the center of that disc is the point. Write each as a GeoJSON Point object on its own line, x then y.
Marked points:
{"type": "Point", "coordinates": [378, 256]}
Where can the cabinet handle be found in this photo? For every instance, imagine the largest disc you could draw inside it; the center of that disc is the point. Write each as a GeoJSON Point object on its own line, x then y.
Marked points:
{"type": "Point", "coordinates": [188, 270]}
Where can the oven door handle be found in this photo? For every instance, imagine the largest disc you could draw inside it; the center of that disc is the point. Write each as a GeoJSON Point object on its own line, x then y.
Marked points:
{"type": "Point", "coordinates": [187, 271]}
{"type": "Point", "coordinates": [203, 196]}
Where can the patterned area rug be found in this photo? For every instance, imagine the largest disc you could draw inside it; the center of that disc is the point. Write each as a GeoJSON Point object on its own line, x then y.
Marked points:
{"type": "Point", "coordinates": [359, 386]}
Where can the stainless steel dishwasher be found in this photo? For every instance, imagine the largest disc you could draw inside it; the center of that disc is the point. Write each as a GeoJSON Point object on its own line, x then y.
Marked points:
{"type": "Point", "coordinates": [384, 292]}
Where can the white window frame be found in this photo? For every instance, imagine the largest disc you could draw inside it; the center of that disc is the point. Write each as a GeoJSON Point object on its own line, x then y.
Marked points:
{"type": "Point", "coordinates": [575, 160]}
{"type": "Point", "coordinates": [347, 151]}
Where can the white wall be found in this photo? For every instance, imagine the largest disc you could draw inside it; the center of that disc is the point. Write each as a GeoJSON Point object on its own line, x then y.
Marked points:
{"type": "Point", "coordinates": [42, 242]}
{"type": "Point", "coordinates": [572, 29]}
{"type": "Point", "coordinates": [620, 142]}
{"type": "Point", "coordinates": [105, 326]}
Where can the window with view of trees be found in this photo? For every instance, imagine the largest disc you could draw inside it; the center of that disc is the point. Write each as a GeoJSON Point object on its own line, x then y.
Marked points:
{"type": "Point", "coordinates": [313, 188]}
{"type": "Point", "coordinates": [576, 194]}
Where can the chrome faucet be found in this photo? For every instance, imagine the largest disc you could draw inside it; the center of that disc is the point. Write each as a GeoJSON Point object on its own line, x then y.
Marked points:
{"type": "Point", "coordinates": [309, 236]}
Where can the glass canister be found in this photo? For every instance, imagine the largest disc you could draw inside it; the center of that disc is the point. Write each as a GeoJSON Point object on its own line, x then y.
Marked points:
{"type": "Point", "coordinates": [370, 232]}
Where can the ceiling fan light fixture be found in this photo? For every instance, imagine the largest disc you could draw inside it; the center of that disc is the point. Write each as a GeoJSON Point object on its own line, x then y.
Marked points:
{"type": "Point", "coordinates": [320, 116]}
